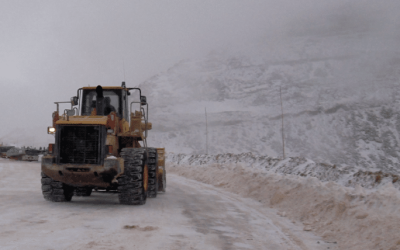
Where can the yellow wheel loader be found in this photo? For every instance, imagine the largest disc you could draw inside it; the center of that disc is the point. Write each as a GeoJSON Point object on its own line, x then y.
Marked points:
{"type": "Point", "coordinates": [100, 143]}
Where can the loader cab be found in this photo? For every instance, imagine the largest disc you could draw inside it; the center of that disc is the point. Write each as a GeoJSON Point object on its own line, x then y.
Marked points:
{"type": "Point", "coordinates": [115, 99]}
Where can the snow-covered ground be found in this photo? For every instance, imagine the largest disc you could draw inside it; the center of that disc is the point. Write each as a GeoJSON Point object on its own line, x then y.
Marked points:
{"type": "Point", "coordinates": [190, 215]}
{"type": "Point", "coordinates": [356, 218]}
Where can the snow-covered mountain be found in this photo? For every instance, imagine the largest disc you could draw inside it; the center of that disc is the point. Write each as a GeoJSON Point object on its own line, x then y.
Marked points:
{"type": "Point", "coordinates": [340, 87]}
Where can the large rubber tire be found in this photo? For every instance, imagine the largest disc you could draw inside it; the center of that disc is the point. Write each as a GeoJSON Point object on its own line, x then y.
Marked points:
{"type": "Point", "coordinates": [83, 191]}
{"type": "Point", "coordinates": [131, 185]}
{"type": "Point", "coordinates": [153, 169]}
{"type": "Point", "coordinates": [162, 180]}
{"type": "Point", "coordinates": [56, 191]}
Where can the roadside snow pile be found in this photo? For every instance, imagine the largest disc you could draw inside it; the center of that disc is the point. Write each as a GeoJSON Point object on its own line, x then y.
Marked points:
{"type": "Point", "coordinates": [355, 218]}
{"type": "Point", "coordinates": [344, 175]}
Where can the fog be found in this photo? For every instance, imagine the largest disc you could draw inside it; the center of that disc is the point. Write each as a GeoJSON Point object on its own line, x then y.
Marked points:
{"type": "Point", "coordinates": [49, 49]}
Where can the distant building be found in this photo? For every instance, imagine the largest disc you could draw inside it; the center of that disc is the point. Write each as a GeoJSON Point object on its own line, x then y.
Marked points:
{"type": "Point", "coordinates": [3, 151]}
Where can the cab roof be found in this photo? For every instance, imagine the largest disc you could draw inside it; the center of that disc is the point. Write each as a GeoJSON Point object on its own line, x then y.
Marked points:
{"type": "Point", "coordinates": [106, 87]}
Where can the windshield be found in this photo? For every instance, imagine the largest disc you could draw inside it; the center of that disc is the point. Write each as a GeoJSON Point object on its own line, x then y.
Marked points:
{"type": "Point", "coordinates": [112, 102]}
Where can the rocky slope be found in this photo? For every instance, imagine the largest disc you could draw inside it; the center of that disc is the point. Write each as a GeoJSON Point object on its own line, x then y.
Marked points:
{"type": "Point", "coordinates": [339, 89]}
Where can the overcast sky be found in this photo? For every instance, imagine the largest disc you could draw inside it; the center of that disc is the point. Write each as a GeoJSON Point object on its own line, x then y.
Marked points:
{"type": "Point", "coordinates": [48, 49]}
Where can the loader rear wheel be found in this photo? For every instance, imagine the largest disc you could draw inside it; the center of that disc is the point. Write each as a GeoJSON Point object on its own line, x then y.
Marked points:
{"type": "Point", "coordinates": [153, 176]}
{"type": "Point", "coordinates": [83, 191]}
{"type": "Point", "coordinates": [56, 191]}
{"type": "Point", "coordinates": [133, 184]}
{"type": "Point", "coordinates": [162, 180]}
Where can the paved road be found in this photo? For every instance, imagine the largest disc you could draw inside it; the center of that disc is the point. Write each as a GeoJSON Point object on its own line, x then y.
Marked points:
{"type": "Point", "coordinates": [191, 215]}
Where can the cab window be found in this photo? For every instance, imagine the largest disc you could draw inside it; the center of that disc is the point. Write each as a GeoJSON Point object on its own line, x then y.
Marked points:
{"type": "Point", "coordinates": [112, 102]}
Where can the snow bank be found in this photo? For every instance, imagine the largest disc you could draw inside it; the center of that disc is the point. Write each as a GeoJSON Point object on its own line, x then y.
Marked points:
{"type": "Point", "coordinates": [355, 218]}
{"type": "Point", "coordinates": [345, 175]}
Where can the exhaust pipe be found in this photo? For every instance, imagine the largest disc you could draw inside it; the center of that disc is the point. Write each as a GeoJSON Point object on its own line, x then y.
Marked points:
{"type": "Point", "coordinates": [99, 101]}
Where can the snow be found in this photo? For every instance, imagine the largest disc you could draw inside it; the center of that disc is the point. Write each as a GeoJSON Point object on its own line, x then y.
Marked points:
{"type": "Point", "coordinates": [339, 91]}
{"type": "Point", "coordinates": [355, 218]}
{"type": "Point", "coordinates": [190, 215]}
{"type": "Point", "coordinates": [344, 175]}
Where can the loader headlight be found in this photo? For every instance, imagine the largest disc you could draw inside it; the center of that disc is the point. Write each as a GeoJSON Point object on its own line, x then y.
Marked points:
{"type": "Point", "coordinates": [51, 130]}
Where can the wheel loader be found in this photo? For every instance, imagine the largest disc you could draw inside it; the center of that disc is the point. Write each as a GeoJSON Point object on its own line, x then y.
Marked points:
{"type": "Point", "coordinates": [101, 143]}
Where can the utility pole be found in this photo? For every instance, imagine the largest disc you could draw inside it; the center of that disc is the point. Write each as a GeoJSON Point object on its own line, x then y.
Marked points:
{"type": "Point", "coordinates": [283, 137]}
{"type": "Point", "coordinates": [205, 109]}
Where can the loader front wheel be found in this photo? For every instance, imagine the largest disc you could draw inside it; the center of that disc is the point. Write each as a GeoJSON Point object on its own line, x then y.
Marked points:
{"type": "Point", "coordinates": [133, 184]}
{"type": "Point", "coordinates": [56, 191]}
